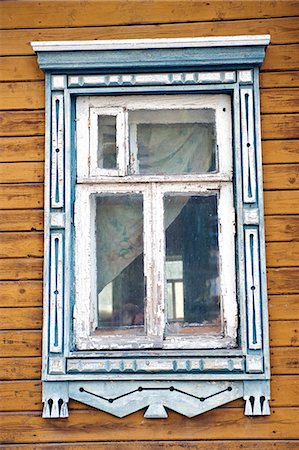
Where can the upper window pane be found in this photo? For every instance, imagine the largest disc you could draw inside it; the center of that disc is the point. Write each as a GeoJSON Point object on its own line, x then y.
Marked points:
{"type": "Point", "coordinates": [107, 150]}
{"type": "Point", "coordinates": [177, 141]}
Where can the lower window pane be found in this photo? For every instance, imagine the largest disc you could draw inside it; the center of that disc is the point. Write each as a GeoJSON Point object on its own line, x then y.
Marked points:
{"type": "Point", "coordinates": [192, 269]}
{"type": "Point", "coordinates": [120, 274]}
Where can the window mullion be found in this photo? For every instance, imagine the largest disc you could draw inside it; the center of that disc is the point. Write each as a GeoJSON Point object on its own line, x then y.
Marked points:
{"type": "Point", "coordinates": [122, 142]}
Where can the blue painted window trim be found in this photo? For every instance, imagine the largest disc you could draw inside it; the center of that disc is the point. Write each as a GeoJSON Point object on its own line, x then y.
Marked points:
{"type": "Point", "coordinates": [102, 379]}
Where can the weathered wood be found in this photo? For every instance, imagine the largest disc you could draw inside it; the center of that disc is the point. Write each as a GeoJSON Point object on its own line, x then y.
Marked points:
{"type": "Point", "coordinates": [284, 333]}
{"type": "Point", "coordinates": [284, 176]}
{"type": "Point", "coordinates": [21, 196]}
{"type": "Point", "coordinates": [21, 293]}
{"type": "Point", "coordinates": [282, 30]}
{"type": "Point", "coordinates": [279, 254]}
{"type": "Point", "coordinates": [280, 126]}
{"type": "Point", "coordinates": [279, 79]}
{"type": "Point", "coordinates": [21, 220]}
{"type": "Point", "coordinates": [281, 202]}
{"type": "Point", "coordinates": [284, 360]}
{"type": "Point", "coordinates": [282, 100]}
{"type": "Point", "coordinates": [26, 395]}
{"type": "Point", "coordinates": [169, 445]}
{"type": "Point", "coordinates": [20, 68]}
{"type": "Point", "coordinates": [281, 57]}
{"type": "Point", "coordinates": [20, 318]}
{"type": "Point", "coordinates": [22, 123]}
{"type": "Point", "coordinates": [20, 343]}
{"type": "Point", "coordinates": [21, 269]}
{"type": "Point", "coordinates": [22, 95]}
{"type": "Point", "coordinates": [283, 307]}
{"type": "Point", "coordinates": [84, 426]}
{"type": "Point", "coordinates": [20, 368]}
{"type": "Point", "coordinates": [13, 149]}
{"type": "Point", "coordinates": [74, 14]}
{"type": "Point", "coordinates": [22, 172]}
{"type": "Point", "coordinates": [283, 280]}
{"type": "Point", "coordinates": [282, 228]}
{"type": "Point", "coordinates": [280, 152]}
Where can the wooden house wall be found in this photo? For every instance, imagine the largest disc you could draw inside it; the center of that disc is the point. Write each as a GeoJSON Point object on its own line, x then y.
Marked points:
{"type": "Point", "coordinates": [21, 221]}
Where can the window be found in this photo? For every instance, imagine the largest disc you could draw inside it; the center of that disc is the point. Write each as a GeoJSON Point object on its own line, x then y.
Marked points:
{"type": "Point", "coordinates": [154, 280]}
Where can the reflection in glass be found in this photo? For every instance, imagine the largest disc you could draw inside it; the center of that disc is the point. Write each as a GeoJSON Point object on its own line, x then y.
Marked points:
{"type": "Point", "coordinates": [172, 141]}
{"type": "Point", "coordinates": [192, 272]}
{"type": "Point", "coordinates": [119, 250]}
{"type": "Point", "coordinates": [107, 151]}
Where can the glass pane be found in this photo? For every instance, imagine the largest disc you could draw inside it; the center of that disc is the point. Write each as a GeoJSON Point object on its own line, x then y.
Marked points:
{"type": "Point", "coordinates": [191, 267]}
{"type": "Point", "coordinates": [172, 141]}
{"type": "Point", "coordinates": [107, 153]}
{"type": "Point", "coordinates": [120, 274]}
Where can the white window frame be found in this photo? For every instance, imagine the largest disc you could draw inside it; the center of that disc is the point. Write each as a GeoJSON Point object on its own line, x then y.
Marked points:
{"type": "Point", "coordinates": [92, 180]}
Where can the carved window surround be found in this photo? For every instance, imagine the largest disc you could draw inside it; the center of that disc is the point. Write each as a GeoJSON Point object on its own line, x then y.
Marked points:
{"type": "Point", "coordinates": [187, 381]}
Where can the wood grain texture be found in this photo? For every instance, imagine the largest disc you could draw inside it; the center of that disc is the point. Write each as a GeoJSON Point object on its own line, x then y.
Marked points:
{"type": "Point", "coordinates": [74, 14]}
{"type": "Point", "coordinates": [281, 202]}
{"type": "Point", "coordinates": [20, 343]}
{"type": "Point", "coordinates": [281, 57]}
{"type": "Point", "coordinates": [283, 307]}
{"type": "Point", "coordinates": [284, 176]}
{"type": "Point", "coordinates": [280, 126]}
{"type": "Point", "coordinates": [21, 293]}
{"type": "Point", "coordinates": [284, 360]}
{"type": "Point", "coordinates": [283, 280]}
{"type": "Point", "coordinates": [21, 196]}
{"type": "Point", "coordinates": [22, 95]}
{"type": "Point", "coordinates": [279, 254]}
{"type": "Point", "coordinates": [21, 318]}
{"type": "Point", "coordinates": [83, 426]}
{"type": "Point", "coordinates": [13, 149]}
{"type": "Point", "coordinates": [282, 228]}
{"type": "Point", "coordinates": [22, 220]}
{"type": "Point", "coordinates": [282, 31]}
{"type": "Point", "coordinates": [279, 79]}
{"type": "Point", "coordinates": [20, 68]}
{"type": "Point", "coordinates": [21, 269]}
{"type": "Point", "coordinates": [284, 333]}
{"type": "Point", "coordinates": [280, 151]}
{"type": "Point", "coordinates": [22, 123]}
{"type": "Point", "coordinates": [170, 445]}
{"type": "Point", "coordinates": [280, 100]}
{"type": "Point", "coordinates": [20, 368]}
{"type": "Point", "coordinates": [22, 172]}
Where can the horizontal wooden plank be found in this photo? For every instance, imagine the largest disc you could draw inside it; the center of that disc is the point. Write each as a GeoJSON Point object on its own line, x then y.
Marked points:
{"type": "Point", "coordinates": [21, 68]}
{"type": "Point", "coordinates": [281, 202]}
{"type": "Point", "coordinates": [21, 196]}
{"type": "Point", "coordinates": [220, 423]}
{"type": "Point", "coordinates": [281, 57]}
{"type": "Point", "coordinates": [284, 360]}
{"type": "Point", "coordinates": [283, 307]}
{"type": "Point", "coordinates": [279, 254]}
{"type": "Point", "coordinates": [282, 30]}
{"type": "Point", "coordinates": [281, 176]}
{"type": "Point", "coordinates": [23, 95]}
{"type": "Point", "coordinates": [167, 445]}
{"type": "Point", "coordinates": [283, 280]}
{"type": "Point", "coordinates": [74, 14]}
{"type": "Point", "coordinates": [21, 269]}
{"type": "Point", "coordinates": [284, 333]}
{"type": "Point", "coordinates": [275, 152]}
{"type": "Point", "coordinates": [26, 395]}
{"type": "Point", "coordinates": [282, 228]}
{"type": "Point", "coordinates": [20, 343]}
{"type": "Point", "coordinates": [22, 123]}
{"type": "Point", "coordinates": [22, 172]}
{"type": "Point", "coordinates": [21, 245]}
{"type": "Point", "coordinates": [279, 100]}
{"type": "Point", "coordinates": [20, 368]}
{"type": "Point", "coordinates": [22, 220]}
{"type": "Point", "coordinates": [279, 79]}
{"type": "Point", "coordinates": [280, 126]}
{"type": "Point", "coordinates": [21, 318]}
{"type": "Point", "coordinates": [21, 293]}
{"type": "Point", "coordinates": [13, 149]}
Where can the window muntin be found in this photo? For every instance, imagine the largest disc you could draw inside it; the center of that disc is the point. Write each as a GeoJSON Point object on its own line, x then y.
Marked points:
{"type": "Point", "coordinates": [212, 113]}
